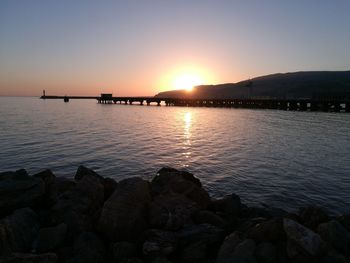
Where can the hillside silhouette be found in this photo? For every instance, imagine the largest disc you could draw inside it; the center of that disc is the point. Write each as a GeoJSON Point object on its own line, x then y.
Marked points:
{"type": "Point", "coordinates": [306, 84]}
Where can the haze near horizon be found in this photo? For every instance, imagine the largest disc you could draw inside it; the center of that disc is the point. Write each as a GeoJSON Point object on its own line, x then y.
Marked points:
{"type": "Point", "coordinates": [139, 48]}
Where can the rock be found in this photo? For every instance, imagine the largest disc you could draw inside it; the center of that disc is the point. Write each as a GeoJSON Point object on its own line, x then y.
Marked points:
{"type": "Point", "coordinates": [63, 185]}
{"type": "Point", "coordinates": [124, 214]}
{"type": "Point", "coordinates": [171, 211]}
{"type": "Point", "coordinates": [203, 232]}
{"type": "Point", "coordinates": [336, 235]}
{"type": "Point", "coordinates": [198, 242]}
{"type": "Point", "coordinates": [230, 205]}
{"type": "Point", "coordinates": [31, 258]}
{"type": "Point", "coordinates": [270, 231]}
{"type": "Point", "coordinates": [88, 248]}
{"type": "Point", "coordinates": [80, 204]}
{"type": "Point", "coordinates": [312, 216]}
{"type": "Point", "coordinates": [109, 186]}
{"type": "Point", "coordinates": [51, 238]}
{"type": "Point", "coordinates": [228, 247]}
{"type": "Point", "coordinates": [123, 250]}
{"type": "Point", "coordinates": [169, 180]}
{"type": "Point", "coordinates": [18, 231]}
{"type": "Point", "coordinates": [50, 190]}
{"type": "Point", "coordinates": [345, 221]}
{"type": "Point", "coordinates": [263, 212]}
{"type": "Point", "coordinates": [243, 253]}
{"type": "Point", "coordinates": [159, 243]}
{"type": "Point", "coordinates": [209, 217]}
{"type": "Point", "coordinates": [266, 253]}
{"type": "Point", "coordinates": [334, 257]}
{"type": "Point", "coordinates": [18, 190]}
{"type": "Point", "coordinates": [303, 244]}
{"type": "Point", "coordinates": [132, 260]}
{"type": "Point", "coordinates": [83, 171]}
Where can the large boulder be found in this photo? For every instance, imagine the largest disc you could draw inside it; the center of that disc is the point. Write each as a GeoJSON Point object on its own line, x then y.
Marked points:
{"type": "Point", "coordinates": [88, 248]}
{"type": "Point", "coordinates": [303, 245]}
{"type": "Point", "coordinates": [269, 231]}
{"type": "Point", "coordinates": [51, 237]}
{"type": "Point", "coordinates": [125, 214]}
{"type": "Point", "coordinates": [237, 251]}
{"type": "Point", "coordinates": [79, 204]}
{"type": "Point", "coordinates": [171, 211]}
{"type": "Point", "coordinates": [228, 206]}
{"type": "Point", "coordinates": [123, 250]}
{"type": "Point", "coordinates": [169, 180]}
{"type": "Point", "coordinates": [159, 243]}
{"type": "Point", "coordinates": [199, 242]}
{"type": "Point", "coordinates": [266, 252]}
{"type": "Point", "coordinates": [49, 180]}
{"type": "Point", "coordinates": [312, 216]}
{"type": "Point", "coordinates": [209, 217]}
{"type": "Point", "coordinates": [18, 190]}
{"type": "Point", "coordinates": [18, 231]}
{"type": "Point", "coordinates": [228, 247]}
{"type": "Point", "coordinates": [336, 235]}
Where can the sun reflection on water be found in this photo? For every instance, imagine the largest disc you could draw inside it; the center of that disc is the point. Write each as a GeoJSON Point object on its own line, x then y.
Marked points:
{"type": "Point", "coordinates": [187, 136]}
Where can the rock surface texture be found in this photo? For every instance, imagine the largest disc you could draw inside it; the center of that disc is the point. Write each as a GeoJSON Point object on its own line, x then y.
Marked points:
{"type": "Point", "coordinates": [169, 219]}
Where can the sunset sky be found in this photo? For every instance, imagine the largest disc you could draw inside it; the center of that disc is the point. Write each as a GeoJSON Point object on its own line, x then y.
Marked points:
{"type": "Point", "coordinates": [144, 47]}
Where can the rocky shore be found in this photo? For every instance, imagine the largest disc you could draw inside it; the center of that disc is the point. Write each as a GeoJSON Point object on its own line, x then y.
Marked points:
{"type": "Point", "coordinates": [45, 218]}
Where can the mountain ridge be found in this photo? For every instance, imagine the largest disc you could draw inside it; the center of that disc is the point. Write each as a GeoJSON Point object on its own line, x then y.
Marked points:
{"type": "Point", "coordinates": [300, 84]}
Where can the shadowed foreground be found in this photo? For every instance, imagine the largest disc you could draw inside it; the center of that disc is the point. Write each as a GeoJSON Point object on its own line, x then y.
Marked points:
{"type": "Point", "coordinates": [170, 219]}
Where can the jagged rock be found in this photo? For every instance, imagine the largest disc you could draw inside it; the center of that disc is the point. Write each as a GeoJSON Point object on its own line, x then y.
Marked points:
{"type": "Point", "coordinates": [303, 245]}
{"type": "Point", "coordinates": [123, 250]}
{"type": "Point", "coordinates": [109, 186]}
{"type": "Point", "coordinates": [51, 237]}
{"type": "Point", "coordinates": [228, 247]}
{"type": "Point", "coordinates": [31, 258]}
{"type": "Point", "coordinates": [18, 231]}
{"type": "Point", "coordinates": [312, 216]}
{"type": "Point", "coordinates": [266, 253]}
{"type": "Point", "coordinates": [336, 235]}
{"type": "Point", "coordinates": [334, 257]}
{"type": "Point", "coordinates": [124, 214]}
{"type": "Point", "coordinates": [88, 248]}
{"type": "Point", "coordinates": [171, 211]}
{"type": "Point", "coordinates": [79, 206]}
{"type": "Point", "coordinates": [169, 180]}
{"type": "Point", "coordinates": [203, 240]}
{"type": "Point", "coordinates": [242, 253]}
{"type": "Point", "coordinates": [63, 185]}
{"type": "Point", "coordinates": [209, 217]}
{"type": "Point", "coordinates": [83, 171]}
{"type": "Point", "coordinates": [345, 221]}
{"type": "Point", "coordinates": [263, 212]}
{"type": "Point", "coordinates": [50, 187]}
{"type": "Point", "coordinates": [132, 260]}
{"type": "Point", "coordinates": [271, 230]}
{"type": "Point", "coordinates": [18, 190]}
{"type": "Point", "coordinates": [229, 205]}
{"type": "Point", "coordinates": [159, 243]}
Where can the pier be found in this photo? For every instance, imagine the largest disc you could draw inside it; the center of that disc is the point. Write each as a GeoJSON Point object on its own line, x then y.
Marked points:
{"type": "Point", "coordinates": [325, 105]}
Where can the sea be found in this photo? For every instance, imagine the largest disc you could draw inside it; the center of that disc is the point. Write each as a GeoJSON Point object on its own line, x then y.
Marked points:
{"type": "Point", "coordinates": [282, 159]}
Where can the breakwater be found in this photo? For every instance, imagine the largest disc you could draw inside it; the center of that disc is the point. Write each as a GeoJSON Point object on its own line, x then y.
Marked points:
{"type": "Point", "coordinates": [326, 105]}
{"type": "Point", "coordinates": [171, 218]}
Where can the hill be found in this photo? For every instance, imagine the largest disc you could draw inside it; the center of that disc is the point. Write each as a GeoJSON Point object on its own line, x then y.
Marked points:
{"type": "Point", "coordinates": [306, 84]}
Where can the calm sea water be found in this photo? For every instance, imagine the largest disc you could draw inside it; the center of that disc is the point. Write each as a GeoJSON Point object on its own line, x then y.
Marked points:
{"type": "Point", "coordinates": [279, 158]}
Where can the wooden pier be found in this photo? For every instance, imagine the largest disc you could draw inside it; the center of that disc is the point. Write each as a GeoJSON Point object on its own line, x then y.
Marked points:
{"type": "Point", "coordinates": [330, 105]}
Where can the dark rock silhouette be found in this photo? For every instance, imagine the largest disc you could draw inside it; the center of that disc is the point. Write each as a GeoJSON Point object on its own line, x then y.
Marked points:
{"type": "Point", "coordinates": [170, 219]}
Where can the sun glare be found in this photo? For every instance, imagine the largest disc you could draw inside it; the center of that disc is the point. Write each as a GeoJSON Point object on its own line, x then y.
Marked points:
{"type": "Point", "coordinates": [187, 81]}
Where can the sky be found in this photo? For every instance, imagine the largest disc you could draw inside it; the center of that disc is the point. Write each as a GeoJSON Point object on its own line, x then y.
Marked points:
{"type": "Point", "coordinates": [140, 48]}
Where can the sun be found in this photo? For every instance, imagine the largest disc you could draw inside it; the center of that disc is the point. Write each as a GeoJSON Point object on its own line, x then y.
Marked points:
{"type": "Point", "coordinates": [187, 81]}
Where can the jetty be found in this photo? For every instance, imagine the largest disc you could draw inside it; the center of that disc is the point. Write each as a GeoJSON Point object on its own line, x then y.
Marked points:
{"type": "Point", "coordinates": [326, 105]}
